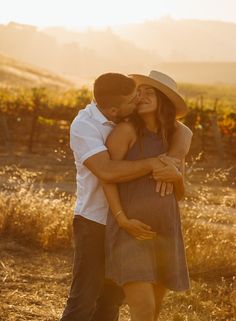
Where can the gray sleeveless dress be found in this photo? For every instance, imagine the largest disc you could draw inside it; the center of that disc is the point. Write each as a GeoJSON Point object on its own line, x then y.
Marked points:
{"type": "Point", "coordinates": [159, 260]}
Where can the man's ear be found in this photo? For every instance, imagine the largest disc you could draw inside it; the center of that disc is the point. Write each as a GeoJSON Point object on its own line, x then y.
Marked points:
{"type": "Point", "coordinates": [114, 111]}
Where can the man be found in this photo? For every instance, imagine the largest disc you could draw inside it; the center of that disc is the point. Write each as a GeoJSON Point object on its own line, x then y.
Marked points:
{"type": "Point", "coordinates": [91, 298]}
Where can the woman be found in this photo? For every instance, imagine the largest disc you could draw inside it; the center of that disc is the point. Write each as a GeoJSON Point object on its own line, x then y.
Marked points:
{"type": "Point", "coordinates": [145, 266]}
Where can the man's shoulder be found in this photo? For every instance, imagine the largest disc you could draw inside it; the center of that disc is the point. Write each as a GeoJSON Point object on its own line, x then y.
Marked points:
{"type": "Point", "coordinates": [83, 119]}
{"type": "Point", "coordinates": [183, 128]}
{"type": "Point", "coordinates": [83, 115]}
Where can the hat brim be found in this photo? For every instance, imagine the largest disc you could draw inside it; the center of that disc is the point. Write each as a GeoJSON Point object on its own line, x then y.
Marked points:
{"type": "Point", "coordinates": [175, 98]}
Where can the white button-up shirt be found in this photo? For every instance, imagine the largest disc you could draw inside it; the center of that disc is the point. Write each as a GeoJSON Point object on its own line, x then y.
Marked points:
{"type": "Point", "coordinates": [88, 134]}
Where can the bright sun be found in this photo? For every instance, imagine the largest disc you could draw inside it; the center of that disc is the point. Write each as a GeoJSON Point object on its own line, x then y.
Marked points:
{"type": "Point", "coordinates": [94, 13]}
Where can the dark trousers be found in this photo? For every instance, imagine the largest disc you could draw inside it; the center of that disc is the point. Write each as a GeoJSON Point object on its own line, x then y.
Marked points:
{"type": "Point", "coordinates": [91, 298]}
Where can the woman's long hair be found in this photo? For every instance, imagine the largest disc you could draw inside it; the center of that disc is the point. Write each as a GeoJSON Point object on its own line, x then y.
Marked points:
{"type": "Point", "coordinates": [165, 116]}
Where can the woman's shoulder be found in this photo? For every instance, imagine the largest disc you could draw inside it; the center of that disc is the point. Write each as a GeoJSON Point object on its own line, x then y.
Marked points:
{"type": "Point", "coordinates": [126, 127]}
{"type": "Point", "coordinates": [124, 131]}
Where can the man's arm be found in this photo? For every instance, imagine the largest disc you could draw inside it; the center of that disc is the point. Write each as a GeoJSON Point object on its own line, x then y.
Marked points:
{"type": "Point", "coordinates": [88, 146]}
{"type": "Point", "coordinates": [181, 141]}
{"type": "Point", "coordinates": [89, 149]}
{"type": "Point", "coordinates": [116, 171]}
{"type": "Point", "coordinates": [178, 150]}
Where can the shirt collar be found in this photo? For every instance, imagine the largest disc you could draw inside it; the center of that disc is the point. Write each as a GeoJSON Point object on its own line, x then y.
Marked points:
{"type": "Point", "coordinates": [98, 115]}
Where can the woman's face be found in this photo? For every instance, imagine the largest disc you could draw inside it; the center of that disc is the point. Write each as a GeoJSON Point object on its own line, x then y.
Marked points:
{"type": "Point", "coordinates": [147, 100]}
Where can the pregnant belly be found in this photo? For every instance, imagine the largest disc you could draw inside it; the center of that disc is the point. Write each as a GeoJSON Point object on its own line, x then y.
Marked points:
{"type": "Point", "coordinates": [150, 208]}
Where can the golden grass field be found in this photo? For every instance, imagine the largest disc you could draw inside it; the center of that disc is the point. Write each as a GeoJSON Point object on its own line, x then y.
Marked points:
{"type": "Point", "coordinates": [36, 205]}
{"type": "Point", "coordinates": [37, 194]}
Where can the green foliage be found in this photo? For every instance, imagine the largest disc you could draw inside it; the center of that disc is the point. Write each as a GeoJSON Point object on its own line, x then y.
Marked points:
{"type": "Point", "coordinates": [48, 103]}
{"type": "Point", "coordinates": [206, 96]}
{"type": "Point", "coordinates": [54, 104]}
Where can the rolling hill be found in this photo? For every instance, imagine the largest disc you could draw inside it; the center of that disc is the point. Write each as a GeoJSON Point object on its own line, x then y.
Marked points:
{"type": "Point", "coordinates": [191, 51]}
{"type": "Point", "coordinates": [16, 73]}
{"type": "Point", "coordinates": [184, 40]}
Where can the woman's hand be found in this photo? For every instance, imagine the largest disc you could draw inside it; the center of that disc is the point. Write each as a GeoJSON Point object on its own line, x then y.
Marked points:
{"type": "Point", "coordinates": [169, 173]}
{"type": "Point", "coordinates": [167, 188]}
{"type": "Point", "coordinates": [136, 228]}
{"type": "Point", "coordinates": [177, 180]}
{"type": "Point", "coordinates": [164, 188]}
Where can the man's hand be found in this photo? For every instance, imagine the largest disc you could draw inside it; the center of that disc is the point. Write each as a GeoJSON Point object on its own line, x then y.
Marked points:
{"type": "Point", "coordinates": [136, 228]}
{"type": "Point", "coordinates": [170, 160]}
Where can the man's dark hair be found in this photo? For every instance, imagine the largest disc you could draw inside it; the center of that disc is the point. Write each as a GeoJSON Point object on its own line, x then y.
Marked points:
{"type": "Point", "coordinates": [110, 87]}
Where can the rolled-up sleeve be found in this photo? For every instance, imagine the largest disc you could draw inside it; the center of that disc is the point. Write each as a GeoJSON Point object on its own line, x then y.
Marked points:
{"type": "Point", "coordinates": [85, 140]}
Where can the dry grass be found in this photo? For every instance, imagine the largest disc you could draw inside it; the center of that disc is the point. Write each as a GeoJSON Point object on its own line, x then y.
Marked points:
{"type": "Point", "coordinates": [43, 218]}
{"type": "Point", "coordinates": [33, 214]}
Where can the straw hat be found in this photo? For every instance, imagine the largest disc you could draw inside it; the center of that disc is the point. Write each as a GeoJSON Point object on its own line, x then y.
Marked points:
{"type": "Point", "coordinates": [166, 85]}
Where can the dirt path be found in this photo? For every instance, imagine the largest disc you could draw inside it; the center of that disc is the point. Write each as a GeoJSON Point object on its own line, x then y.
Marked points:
{"type": "Point", "coordinates": [34, 283]}
{"type": "Point", "coordinates": [34, 286]}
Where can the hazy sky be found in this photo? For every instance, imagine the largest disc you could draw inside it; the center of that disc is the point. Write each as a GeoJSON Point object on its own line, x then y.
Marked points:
{"type": "Point", "coordinates": [77, 13]}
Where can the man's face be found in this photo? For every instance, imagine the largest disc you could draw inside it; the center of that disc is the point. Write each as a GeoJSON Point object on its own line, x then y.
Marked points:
{"type": "Point", "coordinates": [128, 105]}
